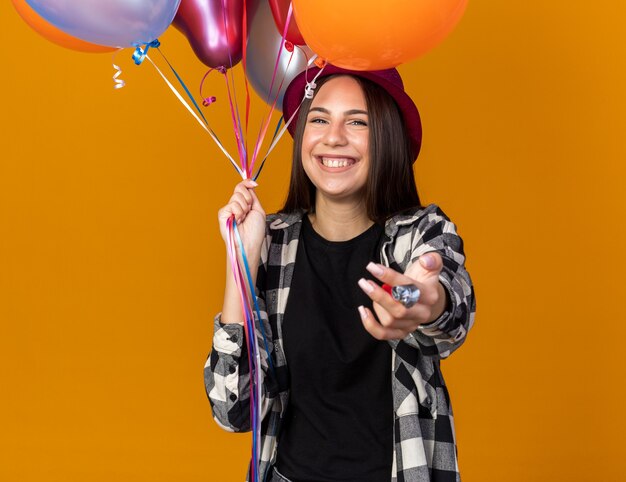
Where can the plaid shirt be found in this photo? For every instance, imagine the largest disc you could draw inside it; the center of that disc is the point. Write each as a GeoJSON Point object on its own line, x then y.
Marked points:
{"type": "Point", "coordinates": [424, 439]}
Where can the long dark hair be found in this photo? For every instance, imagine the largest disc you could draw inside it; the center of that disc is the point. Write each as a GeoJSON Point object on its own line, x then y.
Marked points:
{"type": "Point", "coordinates": [390, 186]}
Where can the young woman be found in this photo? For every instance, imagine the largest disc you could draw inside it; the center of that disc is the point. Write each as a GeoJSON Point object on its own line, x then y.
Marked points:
{"type": "Point", "coordinates": [356, 393]}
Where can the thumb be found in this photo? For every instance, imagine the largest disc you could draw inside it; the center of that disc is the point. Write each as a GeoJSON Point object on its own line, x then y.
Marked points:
{"type": "Point", "coordinates": [431, 262]}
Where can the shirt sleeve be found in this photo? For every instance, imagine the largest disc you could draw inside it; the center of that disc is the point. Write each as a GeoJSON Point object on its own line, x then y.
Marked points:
{"type": "Point", "coordinates": [435, 232]}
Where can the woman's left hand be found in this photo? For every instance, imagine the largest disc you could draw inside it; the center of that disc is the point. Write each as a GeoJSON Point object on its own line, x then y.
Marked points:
{"type": "Point", "coordinates": [395, 321]}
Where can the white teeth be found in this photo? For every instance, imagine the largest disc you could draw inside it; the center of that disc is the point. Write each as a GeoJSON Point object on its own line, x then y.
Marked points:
{"type": "Point", "coordinates": [336, 162]}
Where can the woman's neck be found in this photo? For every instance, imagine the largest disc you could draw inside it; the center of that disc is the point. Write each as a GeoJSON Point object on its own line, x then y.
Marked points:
{"type": "Point", "coordinates": [339, 221]}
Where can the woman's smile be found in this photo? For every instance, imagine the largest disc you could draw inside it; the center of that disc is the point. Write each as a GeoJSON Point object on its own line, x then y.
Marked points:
{"type": "Point", "coordinates": [336, 163]}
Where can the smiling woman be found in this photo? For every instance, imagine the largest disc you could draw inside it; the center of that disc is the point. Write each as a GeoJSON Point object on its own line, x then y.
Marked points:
{"type": "Point", "coordinates": [353, 390]}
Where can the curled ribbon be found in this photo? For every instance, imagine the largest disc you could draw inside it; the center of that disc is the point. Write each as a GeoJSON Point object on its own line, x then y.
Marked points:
{"type": "Point", "coordinates": [118, 83]}
{"type": "Point", "coordinates": [207, 101]}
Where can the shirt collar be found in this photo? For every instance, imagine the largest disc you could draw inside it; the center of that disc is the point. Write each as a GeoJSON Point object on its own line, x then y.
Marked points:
{"type": "Point", "coordinates": [406, 218]}
{"type": "Point", "coordinates": [285, 220]}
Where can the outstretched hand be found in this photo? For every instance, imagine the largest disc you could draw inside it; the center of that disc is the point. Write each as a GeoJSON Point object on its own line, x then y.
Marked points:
{"type": "Point", "coordinates": [395, 321]}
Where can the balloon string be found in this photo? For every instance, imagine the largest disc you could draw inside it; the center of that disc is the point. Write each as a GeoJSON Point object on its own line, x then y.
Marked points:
{"type": "Point", "coordinates": [276, 130]}
{"type": "Point", "coordinates": [272, 108]}
{"type": "Point", "coordinates": [234, 107]}
{"type": "Point", "coordinates": [254, 361]}
{"type": "Point", "coordinates": [204, 125]}
{"type": "Point", "coordinates": [180, 80]}
{"type": "Point", "coordinates": [280, 50]}
{"type": "Point", "coordinates": [241, 290]}
{"type": "Point", "coordinates": [244, 157]}
{"type": "Point", "coordinates": [244, 63]}
{"type": "Point", "coordinates": [253, 291]}
{"type": "Point", "coordinates": [237, 130]}
{"type": "Point", "coordinates": [256, 351]}
{"type": "Point", "coordinates": [266, 120]}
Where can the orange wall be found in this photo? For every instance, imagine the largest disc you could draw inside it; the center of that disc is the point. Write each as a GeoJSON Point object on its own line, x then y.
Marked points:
{"type": "Point", "coordinates": [111, 261]}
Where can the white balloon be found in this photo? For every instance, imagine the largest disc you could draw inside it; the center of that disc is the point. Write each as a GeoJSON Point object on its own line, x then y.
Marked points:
{"type": "Point", "coordinates": [264, 43]}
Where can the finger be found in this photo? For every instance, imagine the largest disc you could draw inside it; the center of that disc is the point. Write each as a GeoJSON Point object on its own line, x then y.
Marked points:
{"type": "Point", "coordinates": [407, 325]}
{"type": "Point", "coordinates": [240, 199]}
{"type": "Point", "coordinates": [244, 192]}
{"type": "Point", "coordinates": [240, 211]}
{"type": "Point", "coordinates": [233, 208]}
{"type": "Point", "coordinates": [246, 184]}
{"type": "Point", "coordinates": [388, 275]}
{"type": "Point", "coordinates": [249, 183]}
{"type": "Point", "coordinates": [384, 299]}
{"type": "Point", "coordinates": [224, 213]}
{"type": "Point", "coordinates": [428, 266]}
{"type": "Point", "coordinates": [376, 329]}
{"type": "Point", "coordinates": [415, 315]}
{"type": "Point", "coordinates": [237, 211]}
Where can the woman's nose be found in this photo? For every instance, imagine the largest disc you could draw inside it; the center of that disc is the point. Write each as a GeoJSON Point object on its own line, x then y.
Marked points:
{"type": "Point", "coordinates": [335, 134]}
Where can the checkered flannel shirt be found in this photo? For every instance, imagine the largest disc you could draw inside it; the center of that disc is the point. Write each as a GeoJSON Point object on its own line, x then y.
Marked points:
{"type": "Point", "coordinates": [424, 439]}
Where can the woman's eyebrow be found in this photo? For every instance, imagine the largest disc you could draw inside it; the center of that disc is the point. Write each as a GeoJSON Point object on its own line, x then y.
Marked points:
{"type": "Point", "coordinates": [348, 112]}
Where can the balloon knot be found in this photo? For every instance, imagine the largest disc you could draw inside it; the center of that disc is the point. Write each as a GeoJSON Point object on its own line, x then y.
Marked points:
{"type": "Point", "coordinates": [221, 69]}
{"type": "Point", "coordinates": [288, 46]}
{"type": "Point", "coordinates": [140, 53]}
{"type": "Point", "coordinates": [320, 62]}
{"type": "Point", "coordinates": [208, 101]}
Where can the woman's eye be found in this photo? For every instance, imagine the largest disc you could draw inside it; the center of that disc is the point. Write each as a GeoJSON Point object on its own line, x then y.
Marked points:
{"type": "Point", "coordinates": [316, 120]}
{"type": "Point", "coordinates": [359, 122]}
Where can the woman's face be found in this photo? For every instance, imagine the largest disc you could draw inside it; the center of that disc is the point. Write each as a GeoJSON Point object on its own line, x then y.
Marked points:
{"type": "Point", "coordinates": [335, 151]}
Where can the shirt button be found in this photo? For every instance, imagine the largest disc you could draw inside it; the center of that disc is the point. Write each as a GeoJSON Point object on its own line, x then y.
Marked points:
{"type": "Point", "coordinates": [233, 397]}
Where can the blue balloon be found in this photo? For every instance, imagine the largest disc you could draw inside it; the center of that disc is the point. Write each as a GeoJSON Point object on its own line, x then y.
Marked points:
{"type": "Point", "coordinates": [115, 23]}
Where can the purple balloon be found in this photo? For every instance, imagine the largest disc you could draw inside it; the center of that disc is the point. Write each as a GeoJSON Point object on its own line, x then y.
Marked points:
{"type": "Point", "coordinates": [213, 28]}
{"type": "Point", "coordinates": [116, 23]}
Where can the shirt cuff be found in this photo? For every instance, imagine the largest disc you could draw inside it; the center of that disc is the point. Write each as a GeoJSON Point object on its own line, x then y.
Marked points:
{"type": "Point", "coordinates": [228, 337]}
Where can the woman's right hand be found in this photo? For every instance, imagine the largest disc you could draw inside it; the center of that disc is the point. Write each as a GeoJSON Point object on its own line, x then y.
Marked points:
{"type": "Point", "coordinates": [249, 215]}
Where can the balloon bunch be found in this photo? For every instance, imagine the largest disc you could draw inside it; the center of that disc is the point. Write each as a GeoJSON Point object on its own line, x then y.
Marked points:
{"type": "Point", "coordinates": [274, 40]}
